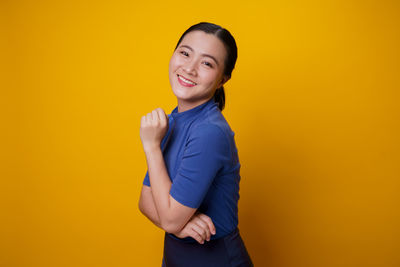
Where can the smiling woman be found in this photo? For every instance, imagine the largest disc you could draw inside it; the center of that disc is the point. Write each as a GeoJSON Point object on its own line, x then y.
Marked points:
{"type": "Point", "coordinates": [197, 63]}
{"type": "Point", "coordinates": [191, 188]}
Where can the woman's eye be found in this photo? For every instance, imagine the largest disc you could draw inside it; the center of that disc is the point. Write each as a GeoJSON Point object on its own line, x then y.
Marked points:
{"type": "Point", "coordinates": [184, 53]}
{"type": "Point", "coordinates": [208, 64]}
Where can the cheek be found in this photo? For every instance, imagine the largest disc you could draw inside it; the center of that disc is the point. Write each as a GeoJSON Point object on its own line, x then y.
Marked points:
{"type": "Point", "coordinates": [210, 77]}
{"type": "Point", "coordinates": [171, 64]}
{"type": "Point", "coordinates": [174, 62]}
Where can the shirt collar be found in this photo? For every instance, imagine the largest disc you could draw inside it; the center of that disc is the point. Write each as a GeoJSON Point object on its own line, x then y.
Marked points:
{"type": "Point", "coordinates": [191, 113]}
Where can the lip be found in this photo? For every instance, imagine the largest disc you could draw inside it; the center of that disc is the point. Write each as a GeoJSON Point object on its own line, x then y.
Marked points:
{"type": "Point", "coordinates": [184, 83]}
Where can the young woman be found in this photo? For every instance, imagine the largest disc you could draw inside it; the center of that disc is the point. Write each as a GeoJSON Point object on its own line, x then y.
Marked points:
{"type": "Point", "coordinates": [191, 188]}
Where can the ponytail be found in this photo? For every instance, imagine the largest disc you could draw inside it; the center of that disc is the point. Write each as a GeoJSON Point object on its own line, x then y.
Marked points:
{"type": "Point", "coordinates": [219, 97]}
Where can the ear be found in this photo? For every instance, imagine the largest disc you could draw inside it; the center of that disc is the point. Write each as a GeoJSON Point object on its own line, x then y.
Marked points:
{"type": "Point", "coordinates": [223, 81]}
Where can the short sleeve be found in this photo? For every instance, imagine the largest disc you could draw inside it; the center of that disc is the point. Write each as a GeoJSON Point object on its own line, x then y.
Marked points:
{"type": "Point", "coordinates": [204, 155]}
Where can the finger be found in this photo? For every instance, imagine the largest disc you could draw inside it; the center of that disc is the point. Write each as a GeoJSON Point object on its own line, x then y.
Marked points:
{"type": "Point", "coordinates": [198, 229]}
{"type": "Point", "coordinates": [148, 117]}
{"type": "Point", "coordinates": [192, 233]}
{"type": "Point", "coordinates": [204, 226]}
{"type": "Point", "coordinates": [209, 222]}
{"type": "Point", "coordinates": [154, 115]}
{"type": "Point", "coordinates": [163, 117]}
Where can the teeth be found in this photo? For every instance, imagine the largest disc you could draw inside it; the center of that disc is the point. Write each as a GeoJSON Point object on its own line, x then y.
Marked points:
{"type": "Point", "coordinates": [186, 81]}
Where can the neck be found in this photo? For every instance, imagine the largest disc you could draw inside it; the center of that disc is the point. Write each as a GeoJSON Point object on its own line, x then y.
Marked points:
{"type": "Point", "coordinates": [186, 105]}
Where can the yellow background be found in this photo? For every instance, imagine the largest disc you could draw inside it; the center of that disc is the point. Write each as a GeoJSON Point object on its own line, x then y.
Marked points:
{"type": "Point", "coordinates": [313, 101]}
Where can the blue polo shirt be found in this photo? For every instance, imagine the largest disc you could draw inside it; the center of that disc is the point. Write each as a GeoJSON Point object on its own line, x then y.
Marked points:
{"type": "Point", "coordinates": [202, 162]}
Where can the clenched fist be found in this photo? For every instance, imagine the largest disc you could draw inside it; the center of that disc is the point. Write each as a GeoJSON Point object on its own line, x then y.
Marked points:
{"type": "Point", "coordinates": [153, 128]}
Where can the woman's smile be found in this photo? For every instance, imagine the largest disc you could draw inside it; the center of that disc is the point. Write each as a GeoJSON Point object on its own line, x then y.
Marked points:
{"type": "Point", "coordinates": [185, 82]}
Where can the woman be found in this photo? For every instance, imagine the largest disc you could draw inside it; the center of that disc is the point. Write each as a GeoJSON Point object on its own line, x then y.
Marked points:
{"type": "Point", "coordinates": [191, 188]}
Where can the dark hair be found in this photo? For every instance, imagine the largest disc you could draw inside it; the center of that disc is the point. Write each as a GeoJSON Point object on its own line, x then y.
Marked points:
{"type": "Point", "coordinates": [230, 45]}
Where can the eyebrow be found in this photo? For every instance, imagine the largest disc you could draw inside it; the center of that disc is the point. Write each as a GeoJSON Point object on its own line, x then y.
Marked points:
{"type": "Point", "coordinates": [205, 55]}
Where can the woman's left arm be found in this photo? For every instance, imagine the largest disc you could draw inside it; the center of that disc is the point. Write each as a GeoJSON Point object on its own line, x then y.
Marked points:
{"type": "Point", "coordinates": [172, 214]}
{"type": "Point", "coordinates": [200, 227]}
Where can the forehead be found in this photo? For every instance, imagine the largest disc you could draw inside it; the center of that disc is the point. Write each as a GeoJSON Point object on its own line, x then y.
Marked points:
{"type": "Point", "coordinates": [205, 43]}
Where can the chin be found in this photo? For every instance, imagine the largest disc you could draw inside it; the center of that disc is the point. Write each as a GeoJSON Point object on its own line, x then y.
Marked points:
{"type": "Point", "coordinates": [182, 93]}
{"type": "Point", "coordinates": [185, 98]}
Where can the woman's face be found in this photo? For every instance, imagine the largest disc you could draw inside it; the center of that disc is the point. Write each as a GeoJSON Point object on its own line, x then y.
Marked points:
{"type": "Point", "coordinates": [196, 68]}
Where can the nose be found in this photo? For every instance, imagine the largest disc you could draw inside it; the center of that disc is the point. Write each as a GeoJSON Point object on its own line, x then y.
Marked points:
{"type": "Point", "coordinates": [190, 67]}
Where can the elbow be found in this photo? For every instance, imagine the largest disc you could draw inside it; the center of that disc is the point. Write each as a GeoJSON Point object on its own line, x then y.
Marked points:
{"type": "Point", "coordinates": [171, 226]}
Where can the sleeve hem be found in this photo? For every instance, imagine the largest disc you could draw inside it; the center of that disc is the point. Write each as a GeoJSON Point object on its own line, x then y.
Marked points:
{"type": "Point", "coordinates": [185, 203]}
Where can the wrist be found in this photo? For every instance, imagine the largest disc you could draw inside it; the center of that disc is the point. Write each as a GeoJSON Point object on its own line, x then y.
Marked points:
{"type": "Point", "coordinates": [150, 149]}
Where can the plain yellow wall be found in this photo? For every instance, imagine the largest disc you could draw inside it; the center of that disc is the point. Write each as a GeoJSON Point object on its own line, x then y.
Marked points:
{"type": "Point", "coordinates": [313, 101]}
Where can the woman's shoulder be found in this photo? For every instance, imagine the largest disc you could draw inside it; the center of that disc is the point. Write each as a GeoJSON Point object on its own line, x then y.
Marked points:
{"type": "Point", "coordinates": [209, 136]}
{"type": "Point", "coordinates": [213, 124]}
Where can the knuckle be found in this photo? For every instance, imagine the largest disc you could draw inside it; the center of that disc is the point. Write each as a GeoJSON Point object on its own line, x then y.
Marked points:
{"type": "Point", "coordinates": [204, 217]}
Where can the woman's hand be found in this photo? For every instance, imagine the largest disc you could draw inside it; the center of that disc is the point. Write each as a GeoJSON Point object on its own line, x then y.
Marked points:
{"type": "Point", "coordinates": [200, 227]}
{"type": "Point", "coordinates": [153, 128]}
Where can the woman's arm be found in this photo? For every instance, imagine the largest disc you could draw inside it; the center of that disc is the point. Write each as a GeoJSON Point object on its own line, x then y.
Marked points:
{"type": "Point", "coordinates": [200, 226]}
{"type": "Point", "coordinates": [172, 215]}
{"type": "Point", "coordinates": [147, 207]}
